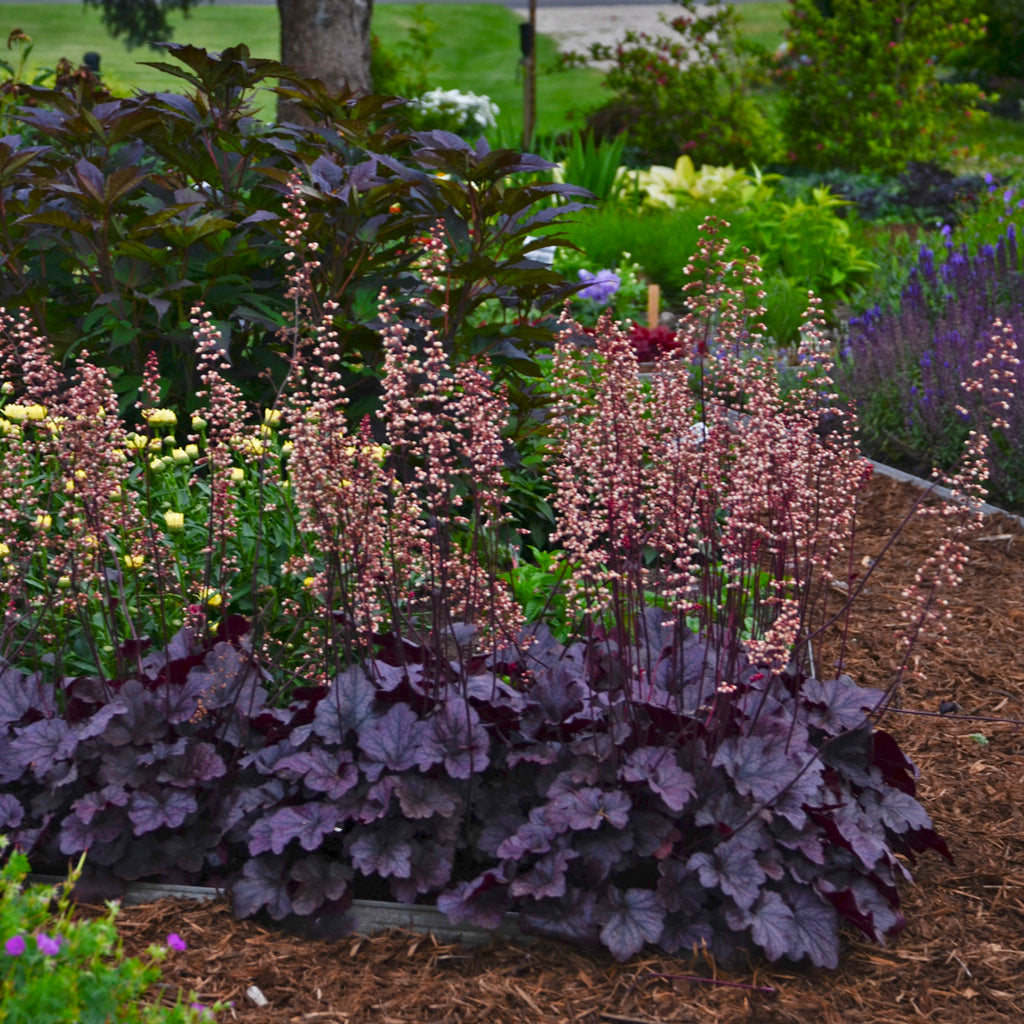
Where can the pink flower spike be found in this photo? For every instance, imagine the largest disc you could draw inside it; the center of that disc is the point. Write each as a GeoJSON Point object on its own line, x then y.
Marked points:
{"type": "Point", "coordinates": [175, 941]}
{"type": "Point", "coordinates": [48, 946]}
{"type": "Point", "coordinates": [15, 946]}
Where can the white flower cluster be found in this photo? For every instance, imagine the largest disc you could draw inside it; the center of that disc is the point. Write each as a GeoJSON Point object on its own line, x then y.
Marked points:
{"type": "Point", "coordinates": [466, 111]}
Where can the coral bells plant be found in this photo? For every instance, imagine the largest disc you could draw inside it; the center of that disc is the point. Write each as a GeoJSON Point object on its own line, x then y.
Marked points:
{"type": "Point", "coordinates": [349, 701]}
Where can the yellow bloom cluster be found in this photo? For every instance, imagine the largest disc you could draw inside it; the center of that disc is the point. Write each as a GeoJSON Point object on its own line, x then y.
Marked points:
{"type": "Point", "coordinates": [19, 413]}
{"type": "Point", "coordinates": [160, 417]}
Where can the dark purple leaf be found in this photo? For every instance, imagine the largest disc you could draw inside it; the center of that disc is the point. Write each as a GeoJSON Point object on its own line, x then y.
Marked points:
{"type": "Point", "coordinates": [838, 705]}
{"type": "Point", "coordinates": [859, 901]}
{"type": "Point", "coordinates": [634, 918]}
{"type": "Point", "coordinates": [318, 880]}
{"type": "Point", "coordinates": [455, 736]}
{"type": "Point", "coordinates": [150, 811]}
{"type": "Point", "coordinates": [771, 923]}
{"type": "Point", "coordinates": [569, 919]}
{"type": "Point", "coordinates": [227, 676]}
{"type": "Point", "coordinates": [43, 743]}
{"type": "Point", "coordinates": [602, 851]}
{"type": "Point", "coordinates": [88, 806]}
{"type": "Point", "coordinates": [546, 878]}
{"type": "Point", "coordinates": [658, 768]}
{"type": "Point", "coordinates": [679, 889]}
{"type": "Point", "coordinates": [142, 723]}
{"type": "Point", "coordinates": [760, 767]}
{"type": "Point", "coordinates": [383, 851]}
{"type": "Point", "coordinates": [897, 769]}
{"type": "Point", "coordinates": [533, 836]}
{"type": "Point", "coordinates": [20, 694]}
{"type": "Point", "coordinates": [96, 724]}
{"type": "Point", "coordinates": [895, 809]}
{"type": "Point", "coordinates": [420, 797]}
{"type": "Point", "coordinates": [431, 868]}
{"type": "Point", "coordinates": [11, 812]}
{"type": "Point", "coordinates": [308, 823]}
{"type": "Point", "coordinates": [262, 884]}
{"type": "Point", "coordinates": [733, 867]}
{"type": "Point", "coordinates": [685, 934]}
{"type": "Point", "coordinates": [590, 808]}
{"type": "Point", "coordinates": [482, 901]}
{"type": "Point", "coordinates": [76, 835]}
{"type": "Point", "coordinates": [816, 928]}
{"type": "Point", "coordinates": [392, 741]}
{"type": "Point", "coordinates": [331, 772]}
{"type": "Point", "coordinates": [347, 705]}
{"type": "Point", "coordinates": [196, 764]}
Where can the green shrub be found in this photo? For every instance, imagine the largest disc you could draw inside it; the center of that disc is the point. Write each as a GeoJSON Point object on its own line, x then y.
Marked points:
{"type": "Point", "coordinates": [861, 85]}
{"type": "Point", "coordinates": [688, 92]}
{"type": "Point", "coordinates": [57, 970]}
{"type": "Point", "coordinates": [1000, 51]}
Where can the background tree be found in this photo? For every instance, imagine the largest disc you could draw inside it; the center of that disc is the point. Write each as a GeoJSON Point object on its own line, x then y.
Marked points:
{"type": "Point", "coordinates": [325, 39]}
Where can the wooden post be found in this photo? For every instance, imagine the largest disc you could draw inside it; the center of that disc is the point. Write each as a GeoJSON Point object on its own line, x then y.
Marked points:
{"type": "Point", "coordinates": [653, 304]}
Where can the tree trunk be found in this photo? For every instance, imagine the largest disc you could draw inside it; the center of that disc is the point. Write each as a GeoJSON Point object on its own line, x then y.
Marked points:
{"type": "Point", "coordinates": [329, 40]}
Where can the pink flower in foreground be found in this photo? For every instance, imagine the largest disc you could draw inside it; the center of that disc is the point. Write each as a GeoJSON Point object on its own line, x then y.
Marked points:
{"type": "Point", "coordinates": [175, 941]}
{"type": "Point", "coordinates": [15, 946]}
{"type": "Point", "coordinates": [48, 946]}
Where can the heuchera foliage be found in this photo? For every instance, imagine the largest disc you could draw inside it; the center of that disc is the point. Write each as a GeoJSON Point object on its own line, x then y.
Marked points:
{"type": "Point", "coordinates": [674, 774]}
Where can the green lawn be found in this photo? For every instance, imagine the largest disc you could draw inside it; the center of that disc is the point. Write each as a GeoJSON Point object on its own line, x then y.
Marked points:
{"type": "Point", "coordinates": [476, 48]}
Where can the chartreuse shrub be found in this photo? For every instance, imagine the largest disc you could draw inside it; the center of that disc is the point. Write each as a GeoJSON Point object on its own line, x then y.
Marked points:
{"type": "Point", "coordinates": [804, 244]}
{"type": "Point", "coordinates": [674, 770]}
{"type": "Point", "coordinates": [861, 85]}
{"type": "Point", "coordinates": [63, 970]}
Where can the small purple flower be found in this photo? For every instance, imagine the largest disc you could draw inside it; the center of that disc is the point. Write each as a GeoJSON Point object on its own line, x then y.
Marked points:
{"type": "Point", "coordinates": [175, 941]}
{"type": "Point", "coordinates": [48, 946]}
{"type": "Point", "coordinates": [603, 285]}
{"type": "Point", "coordinates": [205, 1012]}
{"type": "Point", "coordinates": [989, 181]}
{"type": "Point", "coordinates": [15, 946]}
{"type": "Point", "coordinates": [1008, 196]}
{"type": "Point", "coordinates": [946, 231]}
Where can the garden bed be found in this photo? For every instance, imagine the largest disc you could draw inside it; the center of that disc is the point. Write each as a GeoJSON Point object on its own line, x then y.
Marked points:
{"type": "Point", "coordinates": [959, 957]}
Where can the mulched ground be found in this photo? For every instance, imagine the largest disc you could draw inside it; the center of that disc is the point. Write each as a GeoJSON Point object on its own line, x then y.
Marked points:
{"type": "Point", "coordinates": [960, 958]}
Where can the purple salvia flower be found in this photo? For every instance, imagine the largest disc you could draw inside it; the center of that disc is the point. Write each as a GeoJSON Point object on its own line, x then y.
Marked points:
{"type": "Point", "coordinates": [603, 285]}
{"type": "Point", "coordinates": [15, 946]}
{"type": "Point", "coordinates": [48, 946]}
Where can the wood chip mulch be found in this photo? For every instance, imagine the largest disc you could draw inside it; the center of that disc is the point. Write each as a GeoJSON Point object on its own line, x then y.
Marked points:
{"type": "Point", "coordinates": [960, 958]}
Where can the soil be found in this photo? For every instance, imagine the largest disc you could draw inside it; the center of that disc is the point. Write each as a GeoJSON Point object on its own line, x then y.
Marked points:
{"type": "Point", "coordinates": [959, 959]}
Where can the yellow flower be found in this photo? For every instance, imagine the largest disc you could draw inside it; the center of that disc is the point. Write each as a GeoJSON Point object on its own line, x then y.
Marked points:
{"type": "Point", "coordinates": [6, 388]}
{"type": "Point", "coordinates": [237, 474]}
{"type": "Point", "coordinates": [16, 413]}
{"type": "Point", "coordinates": [308, 582]}
{"type": "Point", "coordinates": [160, 417]}
{"type": "Point", "coordinates": [211, 597]}
{"type": "Point", "coordinates": [69, 486]}
{"type": "Point", "coordinates": [180, 455]}
{"type": "Point", "coordinates": [175, 520]}
{"type": "Point", "coordinates": [35, 412]}
{"type": "Point", "coordinates": [133, 561]}
{"type": "Point", "coordinates": [63, 582]}
{"type": "Point", "coordinates": [157, 465]}
{"type": "Point", "coordinates": [272, 417]}
{"type": "Point", "coordinates": [253, 445]}
{"type": "Point", "coordinates": [198, 423]}
{"type": "Point", "coordinates": [43, 522]}
{"type": "Point", "coordinates": [136, 441]}
{"type": "Point", "coordinates": [5, 550]}
{"type": "Point", "coordinates": [286, 448]}
{"type": "Point", "coordinates": [192, 451]}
